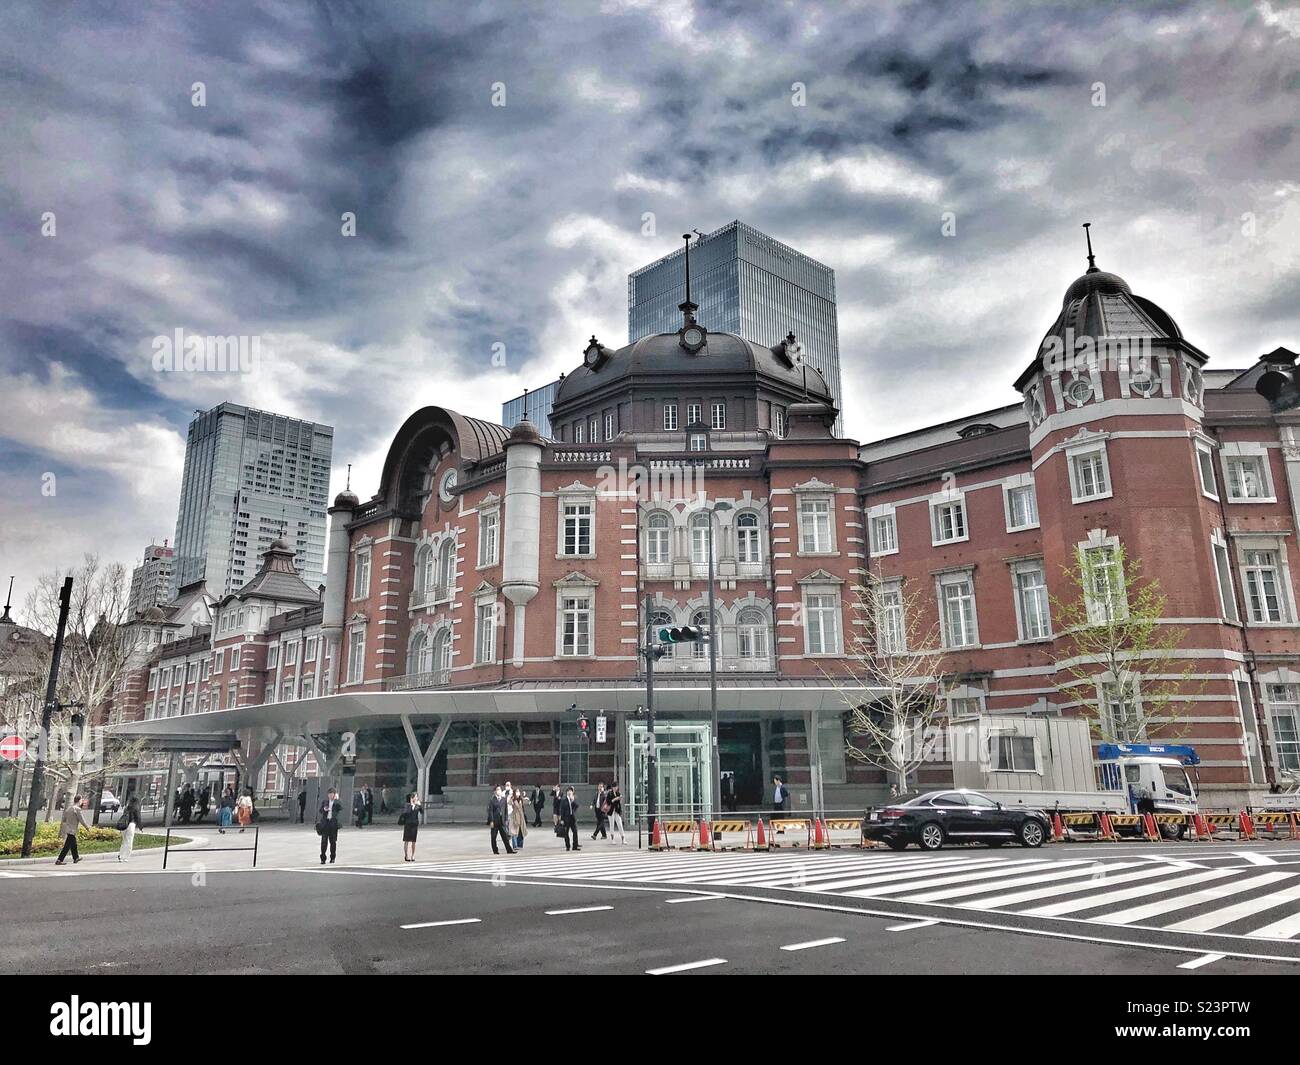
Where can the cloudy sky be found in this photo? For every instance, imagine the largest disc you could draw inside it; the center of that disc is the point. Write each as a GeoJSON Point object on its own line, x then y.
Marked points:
{"type": "Point", "coordinates": [1171, 127]}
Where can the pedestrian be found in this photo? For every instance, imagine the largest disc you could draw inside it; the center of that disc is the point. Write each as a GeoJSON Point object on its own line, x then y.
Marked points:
{"type": "Point", "coordinates": [615, 800]}
{"type": "Point", "coordinates": [598, 805]}
{"type": "Point", "coordinates": [370, 805]}
{"type": "Point", "coordinates": [780, 796]}
{"type": "Point", "coordinates": [73, 820]}
{"type": "Point", "coordinates": [327, 824]}
{"type": "Point", "coordinates": [128, 823]}
{"type": "Point", "coordinates": [497, 819]}
{"type": "Point", "coordinates": [359, 806]}
{"type": "Point", "coordinates": [244, 812]}
{"type": "Point", "coordinates": [383, 801]}
{"type": "Point", "coordinates": [226, 814]}
{"type": "Point", "coordinates": [518, 821]}
{"type": "Point", "coordinates": [569, 818]}
{"type": "Point", "coordinates": [557, 800]}
{"type": "Point", "coordinates": [539, 804]}
{"type": "Point", "coordinates": [409, 819]}
{"type": "Point", "coordinates": [205, 801]}
{"type": "Point", "coordinates": [187, 804]}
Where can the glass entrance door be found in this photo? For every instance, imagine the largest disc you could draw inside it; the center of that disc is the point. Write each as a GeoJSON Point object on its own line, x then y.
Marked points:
{"type": "Point", "coordinates": [683, 770]}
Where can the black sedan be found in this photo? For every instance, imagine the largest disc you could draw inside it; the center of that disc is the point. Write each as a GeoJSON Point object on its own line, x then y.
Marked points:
{"type": "Point", "coordinates": [956, 816]}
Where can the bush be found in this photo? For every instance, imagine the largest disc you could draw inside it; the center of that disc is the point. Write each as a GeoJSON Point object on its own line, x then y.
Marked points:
{"type": "Point", "coordinates": [48, 838]}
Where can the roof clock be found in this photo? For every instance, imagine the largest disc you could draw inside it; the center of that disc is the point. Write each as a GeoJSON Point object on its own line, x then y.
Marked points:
{"type": "Point", "coordinates": [790, 351]}
{"type": "Point", "coordinates": [596, 354]}
{"type": "Point", "coordinates": [691, 335]}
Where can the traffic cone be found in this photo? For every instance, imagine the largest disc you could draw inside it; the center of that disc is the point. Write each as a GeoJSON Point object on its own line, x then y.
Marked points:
{"type": "Point", "coordinates": [1149, 823]}
{"type": "Point", "coordinates": [1247, 826]}
{"type": "Point", "coordinates": [819, 840]}
{"type": "Point", "coordinates": [760, 842]}
{"type": "Point", "coordinates": [1058, 829]}
{"type": "Point", "coordinates": [706, 836]}
{"type": "Point", "coordinates": [1202, 829]}
{"type": "Point", "coordinates": [656, 837]}
{"type": "Point", "coordinates": [1295, 826]}
{"type": "Point", "coordinates": [1107, 829]}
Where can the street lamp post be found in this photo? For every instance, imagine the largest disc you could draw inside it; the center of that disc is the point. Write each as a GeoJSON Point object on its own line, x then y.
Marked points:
{"type": "Point", "coordinates": [716, 785]}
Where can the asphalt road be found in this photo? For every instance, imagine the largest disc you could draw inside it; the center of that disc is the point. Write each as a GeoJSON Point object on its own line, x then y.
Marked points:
{"type": "Point", "coordinates": [351, 919]}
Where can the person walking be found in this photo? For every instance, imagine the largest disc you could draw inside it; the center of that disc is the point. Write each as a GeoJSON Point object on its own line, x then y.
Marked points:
{"type": "Point", "coordinates": [244, 811]}
{"type": "Point", "coordinates": [780, 796]}
{"type": "Point", "coordinates": [497, 819]}
{"type": "Point", "coordinates": [128, 823]}
{"type": "Point", "coordinates": [409, 819]}
{"type": "Point", "coordinates": [370, 805]}
{"type": "Point", "coordinates": [557, 800]}
{"type": "Point", "coordinates": [569, 818]}
{"type": "Point", "coordinates": [328, 816]}
{"type": "Point", "coordinates": [598, 805]}
{"type": "Point", "coordinates": [359, 806]}
{"type": "Point", "coordinates": [226, 814]}
{"type": "Point", "coordinates": [615, 800]}
{"type": "Point", "coordinates": [302, 804]}
{"type": "Point", "coordinates": [73, 820]}
{"type": "Point", "coordinates": [539, 804]}
{"type": "Point", "coordinates": [187, 804]}
{"type": "Point", "coordinates": [518, 821]}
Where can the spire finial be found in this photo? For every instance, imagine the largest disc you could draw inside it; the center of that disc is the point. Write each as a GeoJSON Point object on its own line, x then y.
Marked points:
{"type": "Point", "coordinates": [1092, 259]}
{"type": "Point", "coordinates": [5, 619]}
{"type": "Point", "coordinates": [688, 308]}
{"type": "Point", "coordinates": [348, 485]}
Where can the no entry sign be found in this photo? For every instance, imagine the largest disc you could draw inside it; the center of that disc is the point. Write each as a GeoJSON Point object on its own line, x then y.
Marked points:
{"type": "Point", "coordinates": [12, 748]}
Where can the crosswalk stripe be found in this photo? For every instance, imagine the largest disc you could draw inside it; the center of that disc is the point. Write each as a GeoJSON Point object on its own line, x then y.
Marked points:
{"type": "Point", "coordinates": [1061, 871]}
{"type": "Point", "coordinates": [1228, 914]}
{"type": "Point", "coordinates": [1057, 909]}
{"type": "Point", "coordinates": [1204, 959]}
{"type": "Point", "coordinates": [15, 876]}
{"type": "Point", "coordinates": [939, 881]}
{"type": "Point", "coordinates": [882, 876]}
{"type": "Point", "coordinates": [1255, 858]}
{"type": "Point", "coordinates": [815, 871]}
{"type": "Point", "coordinates": [997, 902]}
{"type": "Point", "coordinates": [1181, 902]}
{"type": "Point", "coordinates": [1283, 929]}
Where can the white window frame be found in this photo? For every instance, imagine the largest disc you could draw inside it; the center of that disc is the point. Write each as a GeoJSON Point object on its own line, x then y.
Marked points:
{"type": "Point", "coordinates": [1022, 483]}
{"type": "Point", "coordinates": [670, 417]}
{"type": "Point", "coordinates": [778, 422]}
{"type": "Point", "coordinates": [718, 416]}
{"type": "Point", "coordinates": [699, 442]}
{"type": "Point", "coordinates": [697, 532]}
{"type": "Point", "coordinates": [952, 579]}
{"type": "Point", "coordinates": [1019, 568]}
{"type": "Point", "coordinates": [1203, 451]}
{"type": "Point", "coordinates": [309, 649]}
{"type": "Point", "coordinates": [1096, 608]}
{"type": "Point", "coordinates": [1240, 452]}
{"type": "Point", "coordinates": [749, 539]}
{"type": "Point", "coordinates": [833, 610]}
{"type": "Point", "coordinates": [1081, 452]}
{"type": "Point", "coordinates": [361, 568]}
{"type": "Point", "coordinates": [752, 636]}
{"type": "Point", "coordinates": [1246, 546]}
{"type": "Point", "coordinates": [694, 414]}
{"type": "Point", "coordinates": [657, 536]}
{"type": "Point", "coordinates": [291, 653]}
{"type": "Point", "coordinates": [273, 656]}
{"type": "Point", "coordinates": [580, 433]}
{"type": "Point", "coordinates": [940, 503]}
{"type": "Point", "coordinates": [485, 630]}
{"type": "Point", "coordinates": [573, 500]}
{"type": "Point", "coordinates": [804, 510]}
{"type": "Point", "coordinates": [966, 694]}
{"type": "Point", "coordinates": [609, 427]}
{"type": "Point", "coordinates": [996, 765]}
{"type": "Point", "coordinates": [489, 537]}
{"type": "Point", "coordinates": [584, 600]}
{"type": "Point", "coordinates": [1221, 557]}
{"type": "Point", "coordinates": [879, 546]}
{"type": "Point", "coordinates": [234, 659]}
{"type": "Point", "coordinates": [1285, 755]}
{"type": "Point", "coordinates": [356, 662]}
{"type": "Point", "coordinates": [890, 618]}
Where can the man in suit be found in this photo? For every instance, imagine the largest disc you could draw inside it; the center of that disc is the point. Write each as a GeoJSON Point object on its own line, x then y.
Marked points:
{"type": "Point", "coordinates": [569, 818]}
{"type": "Point", "coordinates": [327, 825]}
{"type": "Point", "coordinates": [557, 800]}
{"type": "Point", "coordinates": [302, 804]}
{"type": "Point", "coordinates": [780, 796]}
{"type": "Point", "coordinates": [598, 806]}
{"type": "Point", "coordinates": [498, 819]}
{"type": "Point", "coordinates": [359, 806]}
{"type": "Point", "coordinates": [370, 805]}
{"type": "Point", "coordinates": [539, 802]}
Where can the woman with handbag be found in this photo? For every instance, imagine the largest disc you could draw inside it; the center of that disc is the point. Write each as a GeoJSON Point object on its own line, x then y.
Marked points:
{"type": "Point", "coordinates": [409, 819]}
{"type": "Point", "coordinates": [127, 824]}
{"type": "Point", "coordinates": [227, 812]}
{"type": "Point", "coordinates": [244, 811]}
{"type": "Point", "coordinates": [518, 821]}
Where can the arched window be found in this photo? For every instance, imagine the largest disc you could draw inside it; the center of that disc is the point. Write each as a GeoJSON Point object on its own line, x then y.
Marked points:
{"type": "Point", "coordinates": [424, 569]}
{"type": "Point", "coordinates": [751, 634]}
{"type": "Point", "coordinates": [700, 538]}
{"type": "Point", "coordinates": [748, 548]}
{"type": "Point", "coordinates": [700, 619]}
{"type": "Point", "coordinates": [446, 575]}
{"type": "Point", "coordinates": [440, 656]}
{"type": "Point", "coordinates": [661, 619]}
{"type": "Point", "coordinates": [417, 654]}
{"type": "Point", "coordinates": [658, 538]}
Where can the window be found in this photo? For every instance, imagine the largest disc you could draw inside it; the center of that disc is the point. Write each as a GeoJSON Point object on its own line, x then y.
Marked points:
{"type": "Point", "coordinates": [191, 673]}
{"type": "Point", "coordinates": [692, 414]}
{"type": "Point", "coordinates": [308, 687]}
{"type": "Point", "coordinates": [719, 418]}
{"type": "Point", "coordinates": [699, 442]}
{"type": "Point", "coordinates": [579, 433]}
{"type": "Point", "coordinates": [575, 754]}
{"type": "Point", "coordinates": [1283, 701]}
{"type": "Point", "coordinates": [485, 632]}
{"type": "Point", "coordinates": [891, 630]}
{"type": "Point", "coordinates": [1123, 711]}
{"type": "Point", "coordinates": [822, 624]}
{"type": "Point", "coordinates": [488, 528]}
{"type": "Point", "coordinates": [1205, 464]}
{"type": "Point", "coordinates": [751, 634]}
{"type": "Point", "coordinates": [1223, 576]}
{"type": "Point", "coordinates": [595, 431]}
{"type": "Point", "coordinates": [204, 667]}
{"type": "Point", "coordinates": [309, 649]}
{"type": "Point", "coordinates": [609, 427]}
{"type": "Point", "coordinates": [748, 547]}
{"type": "Point", "coordinates": [658, 537]}
{"type": "Point", "coordinates": [446, 575]}
{"type": "Point", "coordinates": [1250, 725]}
{"type": "Point", "coordinates": [232, 697]}
{"type": "Point", "coordinates": [1089, 475]}
{"type": "Point", "coordinates": [425, 570]}
{"type": "Point", "coordinates": [286, 692]}
{"type": "Point", "coordinates": [661, 619]}
{"type": "Point", "coordinates": [356, 655]}
{"type": "Point", "coordinates": [815, 526]}
{"type": "Point", "coordinates": [418, 654]}
{"type": "Point", "coordinates": [700, 648]}
{"type": "Point", "coordinates": [290, 654]}
{"type": "Point", "coordinates": [1022, 506]}
{"type": "Point", "coordinates": [1032, 610]}
{"type": "Point", "coordinates": [1247, 477]}
{"type": "Point", "coordinates": [701, 526]}
{"type": "Point", "coordinates": [1013, 754]}
{"type": "Point", "coordinates": [670, 416]}
{"type": "Point", "coordinates": [957, 599]}
{"type": "Point", "coordinates": [273, 656]}
{"type": "Point", "coordinates": [439, 661]}
{"type": "Point", "coordinates": [153, 679]}
{"type": "Point", "coordinates": [831, 748]}
{"type": "Point", "coordinates": [948, 520]}
{"type": "Point", "coordinates": [234, 659]}
{"type": "Point", "coordinates": [575, 626]}
{"type": "Point", "coordinates": [778, 421]}
{"type": "Point", "coordinates": [1103, 585]}
{"type": "Point", "coordinates": [361, 575]}
{"type": "Point", "coordinates": [576, 531]}
{"type": "Point", "coordinates": [884, 533]}
{"type": "Point", "coordinates": [1263, 588]}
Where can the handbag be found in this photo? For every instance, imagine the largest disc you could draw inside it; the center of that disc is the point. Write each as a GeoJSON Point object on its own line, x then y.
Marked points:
{"type": "Point", "coordinates": [123, 821]}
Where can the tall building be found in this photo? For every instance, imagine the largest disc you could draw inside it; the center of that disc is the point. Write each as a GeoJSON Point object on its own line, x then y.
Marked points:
{"type": "Point", "coordinates": [538, 403]}
{"type": "Point", "coordinates": [151, 580]}
{"type": "Point", "coordinates": [746, 283]}
{"type": "Point", "coordinates": [251, 477]}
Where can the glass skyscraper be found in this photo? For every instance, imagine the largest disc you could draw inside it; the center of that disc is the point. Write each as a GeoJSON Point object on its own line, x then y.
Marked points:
{"type": "Point", "coordinates": [539, 402]}
{"type": "Point", "coordinates": [251, 477]}
{"type": "Point", "coordinates": [747, 283]}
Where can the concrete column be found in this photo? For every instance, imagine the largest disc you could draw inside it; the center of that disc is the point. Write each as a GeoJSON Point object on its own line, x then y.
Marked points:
{"type": "Point", "coordinates": [522, 526]}
{"type": "Point", "coordinates": [424, 758]}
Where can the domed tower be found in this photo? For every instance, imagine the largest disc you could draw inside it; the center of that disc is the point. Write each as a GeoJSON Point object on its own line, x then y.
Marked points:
{"type": "Point", "coordinates": [336, 577]}
{"type": "Point", "coordinates": [523, 503]}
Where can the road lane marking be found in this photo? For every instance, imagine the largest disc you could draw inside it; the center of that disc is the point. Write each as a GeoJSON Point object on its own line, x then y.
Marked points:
{"type": "Point", "coordinates": [1071, 871]}
{"type": "Point", "coordinates": [442, 924]}
{"type": "Point", "coordinates": [997, 902]}
{"type": "Point", "coordinates": [1181, 901]}
{"type": "Point", "coordinates": [1228, 914]}
{"type": "Point", "coordinates": [695, 898]}
{"type": "Point", "coordinates": [683, 968]}
{"type": "Point", "coordinates": [1056, 909]}
{"type": "Point", "coordinates": [910, 925]}
{"type": "Point", "coordinates": [813, 943]}
{"type": "Point", "coordinates": [1283, 929]}
{"type": "Point", "coordinates": [15, 876]}
{"type": "Point", "coordinates": [1205, 959]}
{"type": "Point", "coordinates": [1255, 859]}
{"type": "Point", "coordinates": [1026, 866]}
{"type": "Point", "coordinates": [577, 909]}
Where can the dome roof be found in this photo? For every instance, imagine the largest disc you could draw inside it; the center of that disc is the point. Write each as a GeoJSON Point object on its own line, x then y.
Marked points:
{"type": "Point", "coordinates": [662, 355]}
{"type": "Point", "coordinates": [347, 499]}
{"type": "Point", "coordinates": [1101, 304]}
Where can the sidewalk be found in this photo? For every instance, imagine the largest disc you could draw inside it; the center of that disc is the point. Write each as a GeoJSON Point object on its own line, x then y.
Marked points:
{"type": "Point", "coordinates": [290, 846]}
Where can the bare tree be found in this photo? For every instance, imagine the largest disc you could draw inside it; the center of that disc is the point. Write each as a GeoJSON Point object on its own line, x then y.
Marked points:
{"type": "Point", "coordinates": [97, 652]}
{"type": "Point", "coordinates": [1124, 673]}
{"type": "Point", "coordinates": [897, 651]}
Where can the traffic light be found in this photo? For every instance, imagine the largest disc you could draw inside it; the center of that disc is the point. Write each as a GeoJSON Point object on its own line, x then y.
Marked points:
{"type": "Point", "coordinates": [684, 634]}
{"type": "Point", "coordinates": [584, 726]}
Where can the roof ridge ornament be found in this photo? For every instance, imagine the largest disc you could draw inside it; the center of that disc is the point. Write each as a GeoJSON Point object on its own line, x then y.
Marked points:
{"type": "Point", "coordinates": [691, 335]}
{"type": "Point", "coordinates": [1092, 259]}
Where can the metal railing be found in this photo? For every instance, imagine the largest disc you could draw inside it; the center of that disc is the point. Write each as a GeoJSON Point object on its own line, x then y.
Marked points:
{"type": "Point", "coordinates": [167, 844]}
{"type": "Point", "coordinates": [438, 678]}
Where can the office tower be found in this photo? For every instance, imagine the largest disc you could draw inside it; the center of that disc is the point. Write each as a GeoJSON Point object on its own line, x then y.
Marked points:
{"type": "Point", "coordinates": [746, 283]}
{"type": "Point", "coordinates": [151, 580]}
{"type": "Point", "coordinates": [251, 477]}
{"type": "Point", "coordinates": [538, 401]}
